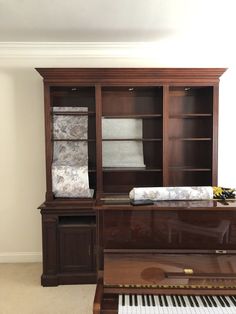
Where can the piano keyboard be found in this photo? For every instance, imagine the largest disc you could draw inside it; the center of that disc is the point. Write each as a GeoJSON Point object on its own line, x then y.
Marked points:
{"type": "Point", "coordinates": [164, 304]}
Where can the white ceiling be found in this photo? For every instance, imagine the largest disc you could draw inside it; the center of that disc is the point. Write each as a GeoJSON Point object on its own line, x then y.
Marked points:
{"type": "Point", "coordinates": [112, 20]}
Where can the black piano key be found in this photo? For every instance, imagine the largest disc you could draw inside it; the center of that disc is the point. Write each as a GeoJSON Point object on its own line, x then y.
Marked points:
{"type": "Point", "coordinates": [165, 300]}
{"type": "Point", "coordinates": [190, 300]}
{"type": "Point", "coordinates": [225, 300]}
{"type": "Point", "coordinates": [148, 300]}
{"type": "Point", "coordinates": [143, 301]}
{"type": "Point", "coordinates": [130, 300]}
{"type": "Point", "coordinates": [160, 300]}
{"type": "Point", "coordinates": [177, 299]}
{"type": "Point", "coordinates": [195, 300]}
{"type": "Point", "coordinates": [123, 300]}
{"type": "Point", "coordinates": [233, 300]}
{"type": "Point", "coordinates": [153, 300]}
{"type": "Point", "coordinates": [203, 301]}
{"type": "Point", "coordinates": [135, 300]}
{"type": "Point", "coordinates": [208, 300]}
{"type": "Point", "coordinates": [173, 300]}
{"type": "Point", "coordinates": [182, 300]}
{"type": "Point", "coordinates": [213, 301]}
{"type": "Point", "coordinates": [220, 300]}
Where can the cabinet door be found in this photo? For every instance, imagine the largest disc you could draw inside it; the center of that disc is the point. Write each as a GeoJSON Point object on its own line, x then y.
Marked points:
{"type": "Point", "coordinates": [76, 249]}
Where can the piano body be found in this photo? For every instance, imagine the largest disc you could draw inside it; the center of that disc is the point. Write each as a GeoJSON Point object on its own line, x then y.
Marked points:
{"type": "Point", "coordinates": [170, 257]}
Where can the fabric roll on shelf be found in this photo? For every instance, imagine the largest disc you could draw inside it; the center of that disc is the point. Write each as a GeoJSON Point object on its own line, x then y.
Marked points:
{"type": "Point", "coordinates": [172, 193]}
{"type": "Point", "coordinates": [70, 154]}
{"type": "Point", "coordinates": [181, 193]}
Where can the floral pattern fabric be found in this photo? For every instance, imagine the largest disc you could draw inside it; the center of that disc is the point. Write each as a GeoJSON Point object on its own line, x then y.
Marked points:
{"type": "Point", "coordinates": [68, 181]}
{"type": "Point", "coordinates": [66, 153]}
{"type": "Point", "coordinates": [79, 109]}
{"type": "Point", "coordinates": [70, 127]}
{"type": "Point", "coordinates": [172, 193]}
{"type": "Point", "coordinates": [70, 158]}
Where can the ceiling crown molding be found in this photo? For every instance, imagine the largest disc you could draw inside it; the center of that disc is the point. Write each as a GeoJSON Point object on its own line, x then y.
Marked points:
{"type": "Point", "coordinates": [76, 49]}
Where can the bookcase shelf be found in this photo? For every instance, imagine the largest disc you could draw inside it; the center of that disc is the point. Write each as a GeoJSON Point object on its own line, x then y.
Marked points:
{"type": "Point", "coordinates": [134, 169]}
{"type": "Point", "coordinates": [133, 139]}
{"type": "Point", "coordinates": [133, 116]}
{"type": "Point", "coordinates": [190, 115]}
{"type": "Point", "coordinates": [72, 140]}
{"type": "Point", "coordinates": [73, 113]}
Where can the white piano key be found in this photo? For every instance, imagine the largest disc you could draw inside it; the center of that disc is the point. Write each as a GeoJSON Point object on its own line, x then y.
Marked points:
{"type": "Point", "coordinates": [170, 309]}
{"type": "Point", "coordinates": [180, 309]}
{"type": "Point", "coordinates": [231, 302]}
{"type": "Point", "coordinates": [220, 308]}
{"type": "Point", "coordinates": [231, 308]}
{"type": "Point", "coordinates": [160, 309]}
{"type": "Point", "coordinates": [202, 309]}
{"type": "Point", "coordinates": [134, 308]}
{"type": "Point", "coordinates": [122, 308]}
{"type": "Point", "coordinates": [188, 307]}
{"type": "Point", "coordinates": [129, 307]}
{"type": "Point", "coordinates": [141, 308]}
{"type": "Point", "coordinates": [127, 311]}
{"type": "Point", "coordinates": [151, 308]}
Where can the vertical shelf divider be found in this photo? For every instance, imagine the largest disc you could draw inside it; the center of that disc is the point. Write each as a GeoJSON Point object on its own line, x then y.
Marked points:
{"type": "Point", "coordinates": [48, 141]}
{"type": "Point", "coordinates": [215, 135]}
{"type": "Point", "coordinates": [165, 156]}
{"type": "Point", "coordinates": [99, 177]}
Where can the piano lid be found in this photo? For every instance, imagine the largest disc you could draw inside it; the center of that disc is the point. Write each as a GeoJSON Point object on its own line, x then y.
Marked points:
{"type": "Point", "coordinates": [165, 270]}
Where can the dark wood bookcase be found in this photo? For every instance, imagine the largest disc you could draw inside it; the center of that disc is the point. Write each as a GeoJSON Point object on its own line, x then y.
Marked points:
{"type": "Point", "coordinates": [177, 109]}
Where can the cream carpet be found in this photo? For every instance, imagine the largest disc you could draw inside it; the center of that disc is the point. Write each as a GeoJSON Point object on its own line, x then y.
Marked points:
{"type": "Point", "coordinates": [21, 293]}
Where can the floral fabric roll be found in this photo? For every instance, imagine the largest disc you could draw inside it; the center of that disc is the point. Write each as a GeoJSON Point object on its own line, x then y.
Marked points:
{"type": "Point", "coordinates": [172, 193]}
{"type": "Point", "coordinates": [68, 181]}
{"type": "Point", "coordinates": [70, 127]}
{"type": "Point", "coordinates": [66, 153]}
{"type": "Point", "coordinates": [70, 158]}
{"type": "Point", "coordinates": [78, 109]}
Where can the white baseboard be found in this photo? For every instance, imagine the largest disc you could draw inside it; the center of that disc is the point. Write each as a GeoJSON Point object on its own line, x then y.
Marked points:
{"type": "Point", "coordinates": [20, 257]}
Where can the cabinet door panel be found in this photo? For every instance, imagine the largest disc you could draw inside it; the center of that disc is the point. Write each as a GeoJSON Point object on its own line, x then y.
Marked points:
{"type": "Point", "coordinates": [76, 249]}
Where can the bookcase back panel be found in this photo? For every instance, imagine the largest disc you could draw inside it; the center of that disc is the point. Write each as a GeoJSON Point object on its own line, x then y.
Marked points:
{"type": "Point", "coordinates": [152, 152]}
{"type": "Point", "coordinates": [190, 178]}
{"type": "Point", "coordinates": [131, 100]}
{"type": "Point", "coordinates": [191, 100]}
{"type": "Point", "coordinates": [153, 128]}
{"type": "Point", "coordinates": [122, 181]}
{"type": "Point", "coordinates": [190, 154]}
{"type": "Point", "coordinates": [191, 127]}
{"type": "Point", "coordinates": [78, 96]}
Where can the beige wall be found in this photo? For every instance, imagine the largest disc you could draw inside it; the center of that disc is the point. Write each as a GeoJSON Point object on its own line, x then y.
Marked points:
{"type": "Point", "coordinates": [22, 166]}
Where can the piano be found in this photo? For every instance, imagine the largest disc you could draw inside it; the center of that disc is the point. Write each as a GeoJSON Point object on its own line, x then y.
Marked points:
{"type": "Point", "coordinates": [169, 257]}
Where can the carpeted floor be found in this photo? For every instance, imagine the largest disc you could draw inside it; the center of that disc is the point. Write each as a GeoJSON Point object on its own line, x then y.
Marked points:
{"type": "Point", "coordinates": [21, 293]}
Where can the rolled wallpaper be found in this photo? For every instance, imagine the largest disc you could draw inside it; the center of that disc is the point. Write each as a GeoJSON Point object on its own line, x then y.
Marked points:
{"type": "Point", "coordinates": [78, 109]}
{"type": "Point", "coordinates": [70, 181]}
{"type": "Point", "coordinates": [66, 153]}
{"type": "Point", "coordinates": [122, 153]}
{"type": "Point", "coordinates": [172, 193]}
{"type": "Point", "coordinates": [70, 127]}
{"type": "Point", "coordinates": [70, 158]}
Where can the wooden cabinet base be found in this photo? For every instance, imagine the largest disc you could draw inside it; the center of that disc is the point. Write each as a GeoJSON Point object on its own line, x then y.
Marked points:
{"type": "Point", "coordinates": [68, 279]}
